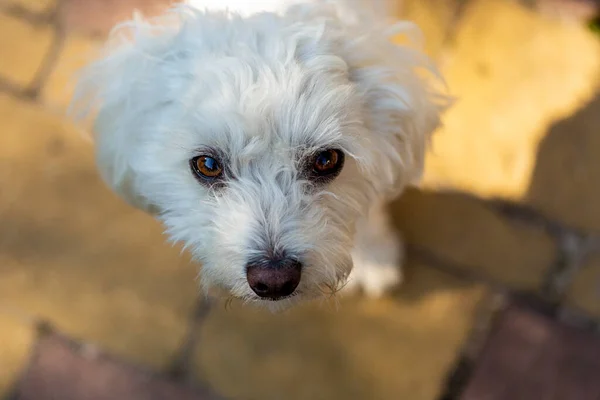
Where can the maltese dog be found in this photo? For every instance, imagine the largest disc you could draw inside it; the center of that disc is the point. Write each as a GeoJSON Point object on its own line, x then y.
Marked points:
{"type": "Point", "coordinates": [268, 138]}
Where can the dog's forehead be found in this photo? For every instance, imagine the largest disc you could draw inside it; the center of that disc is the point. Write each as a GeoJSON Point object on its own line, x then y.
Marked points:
{"type": "Point", "coordinates": [276, 110]}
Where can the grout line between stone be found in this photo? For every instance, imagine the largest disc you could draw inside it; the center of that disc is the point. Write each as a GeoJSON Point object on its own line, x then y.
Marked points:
{"type": "Point", "coordinates": [577, 318]}
{"type": "Point", "coordinates": [50, 59]}
{"type": "Point", "coordinates": [574, 245]}
{"type": "Point", "coordinates": [49, 62]}
{"type": "Point", "coordinates": [18, 11]}
{"type": "Point", "coordinates": [484, 320]}
{"type": "Point", "coordinates": [527, 214]}
{"type": "Point", "coordinates": [572, 253]}
{"type": "Point", "coordinates": [11, 88]}
{"type": "Point", "coordinates": [459, 271]}
{"type": "Point", "coordinates": [550, 298]}
{"type": "Point", "coordinates": [47, 65]}
{"type": "Point", "coordinates": [460, 10]}
{"type": "Point", "coordinates": [181, 368]}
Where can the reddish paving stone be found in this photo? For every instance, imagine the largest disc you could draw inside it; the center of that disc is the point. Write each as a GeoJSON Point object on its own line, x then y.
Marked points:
{"type": "Point", "coordinates": [97, 17]}
{"type": "Point", "coordinates": [62, 370]}
{"type": "Point", "coordinates": [530, 356]}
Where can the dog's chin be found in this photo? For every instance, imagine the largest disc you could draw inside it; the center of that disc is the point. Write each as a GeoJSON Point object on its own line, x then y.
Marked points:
{"type": "Point", "coordinates": [272, 304]}
{"type": "Point", "coordinates": [275, 304]}
{"type": "Point", "coordinates": [274, 299]}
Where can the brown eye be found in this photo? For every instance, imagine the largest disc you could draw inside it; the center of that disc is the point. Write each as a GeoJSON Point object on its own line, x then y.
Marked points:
{"type": "Point", "coordinates": [206, 167]}
{"type": "Point", "coordinates": [328, 162]}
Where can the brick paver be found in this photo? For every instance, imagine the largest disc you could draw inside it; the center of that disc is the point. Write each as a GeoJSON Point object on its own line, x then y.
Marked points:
{"type": "Point", "coordinates": [61, 369]}
{"type": "Point", "coordinates": [463, 230]}
{"type": "Point", "coordinates": [532, 357]}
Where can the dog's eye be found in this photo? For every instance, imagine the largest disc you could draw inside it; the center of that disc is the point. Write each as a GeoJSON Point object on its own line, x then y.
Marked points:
{"type": "Point", "coordinates": [206, 167]}
{"type": "Point", "coordinates": [328, 162]}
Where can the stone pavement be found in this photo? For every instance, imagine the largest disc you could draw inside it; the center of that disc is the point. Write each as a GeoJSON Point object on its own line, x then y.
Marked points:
{"type": "Point", "coordinates": [509, 209]}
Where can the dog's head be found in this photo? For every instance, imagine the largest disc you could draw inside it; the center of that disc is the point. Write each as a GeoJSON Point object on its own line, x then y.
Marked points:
{"type": "Point", "coordinates": [260, 141]}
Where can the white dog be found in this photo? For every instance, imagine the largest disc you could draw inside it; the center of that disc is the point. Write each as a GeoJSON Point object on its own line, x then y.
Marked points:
{"type": "Point", "coordinates": [268, 142]}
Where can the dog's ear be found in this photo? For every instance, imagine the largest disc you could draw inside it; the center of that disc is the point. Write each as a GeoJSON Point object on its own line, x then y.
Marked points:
{"type": "Point", "coordinates": [116, 93]}
{"type": "Point", "coordinates": [403, 92]}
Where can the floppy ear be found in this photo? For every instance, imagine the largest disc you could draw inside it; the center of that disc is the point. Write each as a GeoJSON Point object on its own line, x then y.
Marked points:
{"type": "Point", "coordinates": [114, 92]}
{"type": "Point", "coordinates": [402, 103]}
{"type": "Point", "coordinates": [403, 92]}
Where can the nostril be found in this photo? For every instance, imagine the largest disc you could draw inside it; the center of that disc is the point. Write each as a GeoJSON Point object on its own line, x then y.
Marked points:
{"type": "Point", "coordinates": [261, 287]}
{"type": "Point", "coordinates": [274, 279]}
{"type": "Point", "coordinates": [289, 287]}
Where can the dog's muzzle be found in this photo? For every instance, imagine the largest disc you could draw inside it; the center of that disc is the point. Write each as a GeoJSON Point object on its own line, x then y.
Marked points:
{"type": "Point", "coordinates": [274, 280]}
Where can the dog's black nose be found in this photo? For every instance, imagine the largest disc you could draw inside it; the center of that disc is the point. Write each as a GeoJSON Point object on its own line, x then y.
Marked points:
{"type": "Point", "coordinates": [274, 279]}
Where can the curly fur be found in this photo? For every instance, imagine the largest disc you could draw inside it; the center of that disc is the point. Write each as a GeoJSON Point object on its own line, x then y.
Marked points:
{"type": "Point", "coordinates": [266, 90]}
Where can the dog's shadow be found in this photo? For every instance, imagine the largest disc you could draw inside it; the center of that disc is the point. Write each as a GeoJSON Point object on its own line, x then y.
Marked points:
{"type": "Point", "coordinates": [566, 178]}
{"type": "Point", "coordinates": [494, 241]}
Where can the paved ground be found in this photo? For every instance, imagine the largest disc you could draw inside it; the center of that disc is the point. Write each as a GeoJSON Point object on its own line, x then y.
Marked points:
{"type": "Point", "coordinates": [509, 206]}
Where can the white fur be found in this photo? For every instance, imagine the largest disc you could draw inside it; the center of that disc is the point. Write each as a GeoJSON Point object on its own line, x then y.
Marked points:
{"type": "Point", "coordinates": [267, 90]}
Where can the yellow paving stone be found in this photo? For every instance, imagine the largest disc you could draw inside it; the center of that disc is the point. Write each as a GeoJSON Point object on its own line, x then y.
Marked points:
{"type": "Point", "coordinates": [584, 291]}
{"type": "Point", "coordinates": [22, 49]}
{"type": "Point", "coordinates": [514, 73]}
{"type": "Point", "coordinates": [17, 337]}
{"type": "Point", "coordinates": [73, 253]}
{"type": "Point", "coordinates": [394, 348]}
{"type": "Point", "coordinates": [462, 230]}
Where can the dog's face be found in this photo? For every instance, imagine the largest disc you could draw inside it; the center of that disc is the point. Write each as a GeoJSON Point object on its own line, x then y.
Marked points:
{"type": "Point", "coordinates": [257, 173]}
{"type": "Point", "coordinates": [260, 142]}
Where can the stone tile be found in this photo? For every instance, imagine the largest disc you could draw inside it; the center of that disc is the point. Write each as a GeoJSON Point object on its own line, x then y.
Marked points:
{"type": "Point", "coordinates": [70, 251]}
{"type": "Point", "coordinates": [565, 180]}
{"type": "Point", "coordinates": [529, 356]}
{"type": "Point", "coordinates": [61, 369]}
{"type": "Point", "coordinates": [584, 291]}
{"type": "Point", "coordinates": [98, 17]}
{"type": "Point", "coordinates": [23, 47]}
{"type": "Point", "coordinates": [37, 6]}
{"type": "Point", "coordinates": [514, 72]}
{"type": "Point", "coordinates": [570, 10]}
{"type": "Point", "coordinates": [16, 340]}
{"type": "Point", "coordinates": [462, 230]}
{"type": "Point", "coordinates": [77, 52]}
{"type": "Point", "coordinates": [394, 348]}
